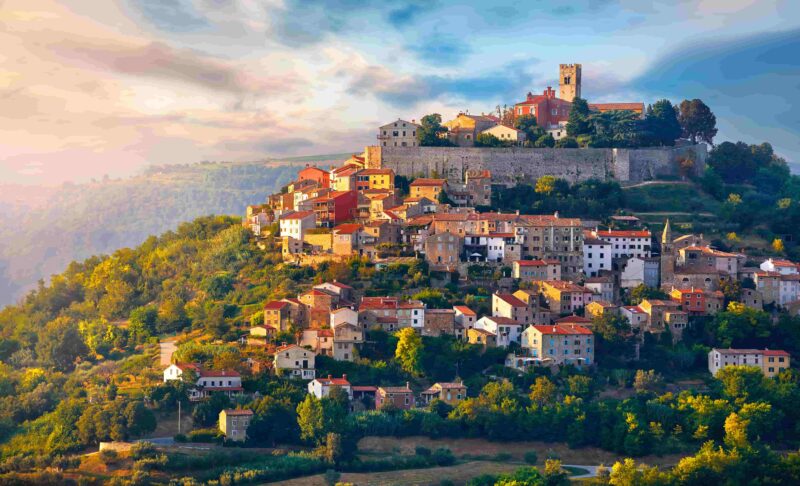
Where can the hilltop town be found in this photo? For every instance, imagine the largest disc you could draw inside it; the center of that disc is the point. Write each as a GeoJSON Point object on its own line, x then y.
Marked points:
{"type": "Point", "coordinates": [402, 314]}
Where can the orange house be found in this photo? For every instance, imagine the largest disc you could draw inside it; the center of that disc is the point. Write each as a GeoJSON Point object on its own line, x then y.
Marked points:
{"type": "Point", "coordinates": [311, 173]}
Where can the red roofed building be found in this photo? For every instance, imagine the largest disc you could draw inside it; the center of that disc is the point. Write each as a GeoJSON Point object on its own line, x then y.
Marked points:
{"type": "Point", "coordinates": [429, 188]}
{"type": "Point", "coordinates": [559, 344]}
{"type": "Point", "coordinates": [511, 307]}
{"type": "Point", "coordinates": [533, 270]}
{"type": "Point", "coordinates": [335, 207]}
{"type": "Point", "coordinates": [311, 173]}
{"type": "Point", "coordinates": [277, 316]}
{"type": "Point", "coordinates": [321, 387]}
{"type": "Point", "coordinates": [550, 111]}
{"type": "Point", "coordinates": [769, 361]}
{"type": "Point", "coordinates": [626, 243]}
{"type": "Point", "coordinates": [401, 398]}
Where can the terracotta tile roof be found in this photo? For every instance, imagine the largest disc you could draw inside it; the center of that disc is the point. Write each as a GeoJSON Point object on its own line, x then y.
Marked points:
{"type": "Point", "coordinates": [598, 280]}
{"type": "Point", "coordinates": [298, 215]}
{"type": "Point", "coordinates": [603, 303]}
{"type": "Point", "coordinates": [377, 172]}
{"type": "Point", "coordinates": [483, 331]}
{"type": "Point", "coordinates": [548, 220]}
{"type": "Point", "coordinates": [365, 388]}
{"type": "Point", "coordinates": [536, 263]}
{"type": "Point", "coordinates": [275, 305]}
{"type": "Point", "coordinates": [218, 374]}
{"type": "Point", "coordinates": [324, 333]}
{"type": "Point", "coordinates": [238, 412]}
{"type": "Point", "coordinates": [565, 286]}
{"type": "Point", "coordinates": [765, 352]}
{"type": "Point", "coordinates": [638, 107]}
{"type": "Point", "coordinates": [439, 311]}
{"type": "Point", "coordinates": [623, 234]}
{"type": "Point", "coordinates": [334, 381]}
{"type": "Point", "coordinates": [395, 389]}
{"type": "Point", "coordinates": [287, 346]}
{"type": "Point", "coordinates": [465, 310]}
{"type": "Point", "coordinates": [511, 300]}
{"type": "Point", "coordinates": [347, 229]}
{"type": "Point", "coordinates": [573, 320]}
{"type": "Point", "coordinates": [503, 321]}
{"type": "Point", "coordinates": [427, 182]}
{"type": "Point", "coordinates": [562, 329]}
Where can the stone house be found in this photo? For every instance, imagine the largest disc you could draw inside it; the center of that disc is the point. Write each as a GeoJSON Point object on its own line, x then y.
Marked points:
{"type": "Point", "coordinates": [450, 393]}
{"type": "Point", "coordinates": [443, 251]}
{"type": "Point", "coordinates": [565, 297]}
{"type": "Point", "coordinates": [533, 270]}
{"type": "Point", "coordinates": [438, 322]}
{"type": "Point", "coordinates": [345, 339]}
{"type": "Point", "coordinates": [400, 133]}
{"type": "Point", "coordinates": [401, 398]}
{"type": "Point", "coordinates": [559, 344]}
{"type": "Point", "coordinates": [234, 423]}
{"type": "Point", "coordinates": [485, 338]}
{"type": "Point", "coordinates": [506, 134]}
{"type": "Point", "coordinates": [504, 329]}
{"type": "Point", "coordinates": [294, 361]}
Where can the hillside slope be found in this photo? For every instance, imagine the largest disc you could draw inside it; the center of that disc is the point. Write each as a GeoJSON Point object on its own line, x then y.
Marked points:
{"type": "Point", "coordinates": [42, 231]}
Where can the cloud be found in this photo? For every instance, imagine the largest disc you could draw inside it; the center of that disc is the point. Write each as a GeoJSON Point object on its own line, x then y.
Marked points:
{"type": "Point", "coordinates": [441, 49]}
{"type": "Point", "coordinates": [750, 82]}
{"type": "Point", "coordinates": [405, 91]}
{"type": "Point", "coordinates": [172, 15]}
{"type": "Point", "coordinates": [159, 60]}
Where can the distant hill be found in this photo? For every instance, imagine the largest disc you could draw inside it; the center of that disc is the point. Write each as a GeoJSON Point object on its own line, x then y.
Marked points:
{"type": "Point", "coordinates": [43, 229]}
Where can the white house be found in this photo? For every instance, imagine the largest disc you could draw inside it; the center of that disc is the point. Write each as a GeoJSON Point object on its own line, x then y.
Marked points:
{"type": "Point", "coordinates": [596, 255]}
{"type": "Point", "coordinates": [297, 223]}
{"type": "Point", "coordinates": [208, 381]}
{"type": "Point", "coordinates": [636, 316]}
{"type": "Point", "coordinates": [321, 387]}
{"type": "Point", "coordinates": [640, 271]}
{"type": "Point", "coordinates": [784, 267]}
{"type": "Point", "coordinates": [626, 243]}
{"type": "Point", "coordinates": [506, 329]}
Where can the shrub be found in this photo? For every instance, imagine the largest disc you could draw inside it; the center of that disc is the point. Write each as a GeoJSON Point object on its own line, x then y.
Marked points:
{"type": "Point", "coordinates": [443, 456]}
{"type": "Point", "coordinates": [204, 435]}
{"type": "Point", "coordinates": [502, 457]}
{"type": "Point", "coordinates": [531, 457]}
{"type": "Point", "coordinates": [108, 456]}
{"type": "Point", "coordinates": [141, 450]}
{"type": "Point", "coordinates": [422, 451]}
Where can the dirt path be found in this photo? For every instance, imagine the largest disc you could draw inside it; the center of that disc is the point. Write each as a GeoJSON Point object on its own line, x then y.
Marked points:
{"type": "Point", "coordinates": [167, 347]}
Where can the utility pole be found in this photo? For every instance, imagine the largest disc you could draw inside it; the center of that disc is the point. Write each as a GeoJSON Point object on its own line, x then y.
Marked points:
{"type": "Point", "coordinates": [179, 416]}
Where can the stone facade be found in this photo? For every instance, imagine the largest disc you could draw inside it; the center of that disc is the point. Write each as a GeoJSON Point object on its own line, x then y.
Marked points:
{"type": "Point", "coordinates": [512, 165]}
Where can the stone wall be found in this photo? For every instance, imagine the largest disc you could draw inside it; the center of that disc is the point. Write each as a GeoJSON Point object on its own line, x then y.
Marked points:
{"type": "Point", "coordinates": [516, 164]}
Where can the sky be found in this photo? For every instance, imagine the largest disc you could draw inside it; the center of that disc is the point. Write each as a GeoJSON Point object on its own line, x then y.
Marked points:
{"type": "Point", "coordinates": [94, 88]}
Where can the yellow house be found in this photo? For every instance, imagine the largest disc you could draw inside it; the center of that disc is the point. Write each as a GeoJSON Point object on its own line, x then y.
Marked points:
{"type": "Point", "coordinates": [425, 187]}
{"type": "Point", "coordinates": [450, 393]}
{"type": "Point", "coordinates": [481, 336]}
{"type": "Point", "coordinates": [234, 423]}
{"type": "Point", "coordinates": [375, 179]}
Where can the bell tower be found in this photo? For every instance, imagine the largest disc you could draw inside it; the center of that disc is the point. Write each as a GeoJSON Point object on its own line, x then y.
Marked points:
{"type": "Point", "coordinates": [569, 81]}
{"type": "Point", "coordinates": [667, 255]}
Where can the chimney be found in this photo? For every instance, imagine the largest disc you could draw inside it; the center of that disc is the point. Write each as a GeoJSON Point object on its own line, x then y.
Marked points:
{"type": "Point", "coordinates": [517, 212]}
{"type": "Point", "coordinates": [344, 376]}
{"type": "Point", "coordinates": [408, 385]}
{"type": "Point", "coordinates": [330, 377]}
{"type": "Point", "coordinates": [555, 215]}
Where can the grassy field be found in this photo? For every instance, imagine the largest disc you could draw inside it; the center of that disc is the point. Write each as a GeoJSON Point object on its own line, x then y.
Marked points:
{"type": "Point", "coordinates": [459, 474]}
{"type": "Point", "coordinates": [669, 198]}
{"type": "Point", "coordinates": [486, 449]}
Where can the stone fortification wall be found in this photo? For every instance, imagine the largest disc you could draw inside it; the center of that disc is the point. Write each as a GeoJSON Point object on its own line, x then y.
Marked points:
{"type": "Point", "coordinates": [512, 165]}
